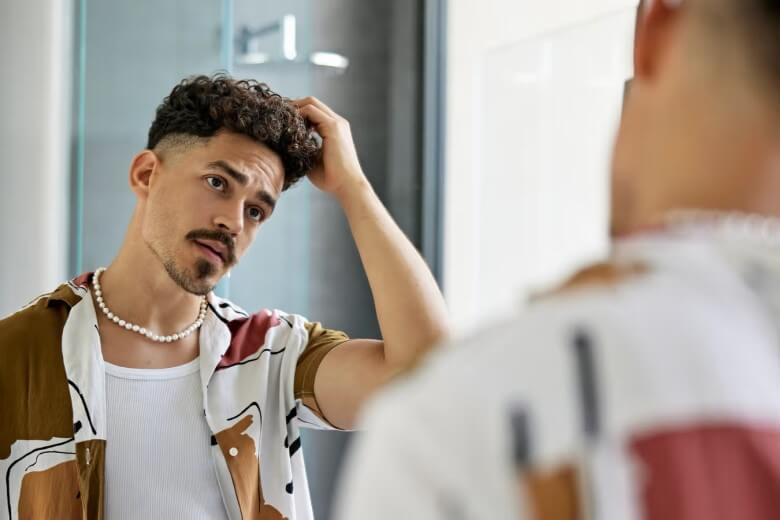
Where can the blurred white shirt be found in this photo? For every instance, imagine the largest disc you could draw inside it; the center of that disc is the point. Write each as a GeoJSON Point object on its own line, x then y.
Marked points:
{"type": "Point", "coordinates": [652, 396]}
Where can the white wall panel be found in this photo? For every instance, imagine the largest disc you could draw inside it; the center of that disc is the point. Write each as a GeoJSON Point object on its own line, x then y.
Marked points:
{"type": "Point", "coordinates": [35, 57]}
{"type": "Point", "coordinates": [535, 90]}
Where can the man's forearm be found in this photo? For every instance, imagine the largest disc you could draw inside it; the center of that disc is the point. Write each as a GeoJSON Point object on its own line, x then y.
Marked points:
{"type": "Point", "coordinates": [410, 308]}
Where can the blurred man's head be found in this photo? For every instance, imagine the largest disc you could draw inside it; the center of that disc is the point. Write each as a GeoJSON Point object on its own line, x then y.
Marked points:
{"type": "Point", "coordinates": [220, 152]}
{"type": "Point", "coordinates": [701, 126]}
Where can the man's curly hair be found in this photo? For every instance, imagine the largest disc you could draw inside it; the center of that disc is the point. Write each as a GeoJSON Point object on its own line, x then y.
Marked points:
{"type": "Point", "coordinates": [201, 106]}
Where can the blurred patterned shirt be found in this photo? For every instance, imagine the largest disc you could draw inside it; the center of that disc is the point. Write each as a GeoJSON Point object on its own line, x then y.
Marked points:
{"type": "Point", "coordinates": [647, 388]}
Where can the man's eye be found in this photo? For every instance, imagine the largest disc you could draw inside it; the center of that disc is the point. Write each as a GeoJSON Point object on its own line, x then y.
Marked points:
{"type": "Point", "coordinates": [255, 214]}
{"type": "Point", "coordinates": [216, 183]}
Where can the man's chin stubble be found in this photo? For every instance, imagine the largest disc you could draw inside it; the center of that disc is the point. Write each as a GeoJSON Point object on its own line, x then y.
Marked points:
{"type": "Point", "coordinates": [197, 283]}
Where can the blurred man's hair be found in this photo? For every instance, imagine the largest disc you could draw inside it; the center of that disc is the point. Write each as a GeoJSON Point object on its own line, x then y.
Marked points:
{"type": "Point", "coordinates": [201, 106]}
{"type": "Point", "coordinates": [754, 26]}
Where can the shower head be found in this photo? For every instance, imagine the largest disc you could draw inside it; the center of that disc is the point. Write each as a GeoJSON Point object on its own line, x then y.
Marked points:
{"type": "Point", "coordinates": [249, 53]}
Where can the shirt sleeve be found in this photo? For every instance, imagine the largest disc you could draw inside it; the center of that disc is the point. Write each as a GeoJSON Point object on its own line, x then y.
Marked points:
{"type": "Point", "coordinates": [321, 342]}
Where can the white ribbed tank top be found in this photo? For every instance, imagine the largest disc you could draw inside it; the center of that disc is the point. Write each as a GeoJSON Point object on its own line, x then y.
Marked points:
{"type": "Point", "coordinates": [158, 458]}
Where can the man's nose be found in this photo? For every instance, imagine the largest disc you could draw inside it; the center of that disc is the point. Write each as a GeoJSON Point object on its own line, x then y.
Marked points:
{"type": "Point", "coordinates": [231, 220]}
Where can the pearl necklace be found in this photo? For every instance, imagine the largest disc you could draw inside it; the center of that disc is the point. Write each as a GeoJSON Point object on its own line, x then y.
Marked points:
{"type": "Point", "coordinates": [758, 228]}
{"type": "Point", "coordinates": [141, 330]}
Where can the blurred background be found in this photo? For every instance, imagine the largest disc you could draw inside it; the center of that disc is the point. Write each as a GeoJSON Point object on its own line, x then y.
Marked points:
{"type": "Point", "coordinates": [485, 127]}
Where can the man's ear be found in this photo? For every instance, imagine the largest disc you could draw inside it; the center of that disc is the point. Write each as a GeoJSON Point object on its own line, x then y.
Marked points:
{"type": "Point", "coordinates": [142, 168]}
{"type": "Point", "coordinates": [657, 21]}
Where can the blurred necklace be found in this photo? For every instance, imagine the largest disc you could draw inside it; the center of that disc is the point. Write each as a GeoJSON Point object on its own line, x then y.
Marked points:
{"type": "Point", "coordinates": [141, 330]}
{"type": "Point", "coordinates": [752, 226]}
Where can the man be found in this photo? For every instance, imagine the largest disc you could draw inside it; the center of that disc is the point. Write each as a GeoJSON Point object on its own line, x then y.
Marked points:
{"type": "Point", "coordinates": [647, 387]}
{"type": "Point", "coordinates": [135, 392]}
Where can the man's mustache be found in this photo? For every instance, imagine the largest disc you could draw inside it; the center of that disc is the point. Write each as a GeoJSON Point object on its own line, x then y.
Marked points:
{"type": "Point", "coordinates": [220, 236]}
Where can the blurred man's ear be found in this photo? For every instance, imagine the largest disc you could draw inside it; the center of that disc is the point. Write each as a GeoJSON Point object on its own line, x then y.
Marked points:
{"type": "Point", "coordinates": [656, 20]}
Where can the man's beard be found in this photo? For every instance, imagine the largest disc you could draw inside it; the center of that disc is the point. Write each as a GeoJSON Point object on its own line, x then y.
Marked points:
{"type": "Point", "coordinates": [195, 283]}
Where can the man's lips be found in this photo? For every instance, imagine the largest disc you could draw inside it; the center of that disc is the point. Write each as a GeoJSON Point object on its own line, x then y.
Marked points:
{"type": "Point", "coordinates": [215, 250]}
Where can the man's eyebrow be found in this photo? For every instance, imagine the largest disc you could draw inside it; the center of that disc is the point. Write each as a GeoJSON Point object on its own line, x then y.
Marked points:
{"type": "Point", "coordinates": [267, 198]}
{"type": "Point", "coordinates": [239, 177]}
{"type": "Point", "coordinates": [243, 180]}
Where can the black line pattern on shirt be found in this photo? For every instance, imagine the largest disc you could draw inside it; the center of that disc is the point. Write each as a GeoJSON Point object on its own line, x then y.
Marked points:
{"type": "Point", "coordinates": [45, 452]}
{"type": "Point", "coordinates": [272, 352]}
{"type": "Point", "coordinates": [583, 349]}
{"type": "Point", "coordinates": [78, 289]}
{"type": "Point", "coordinates": [250, 405]}
{"type": "Point", "coordinates": [582, 345]}
{"type": "Point", "coordinates": [218, 315]}
{"type": "Point", "coordinates": [84, 403]}
{"type": "Point", "coordinates": [293, 413]}
{"type": "Point", "coordinates": [295, 446]}
{"type": "Point", "coordinates": [288, 322]}
{"type": "Point", "coordinates": [312, 424]}
{"type": "Point", "coordinates": [8, 472]}
{"type": "Point", "coordinates": [519, 423]}
{"type": "Point", "coordinates": [226, 305]}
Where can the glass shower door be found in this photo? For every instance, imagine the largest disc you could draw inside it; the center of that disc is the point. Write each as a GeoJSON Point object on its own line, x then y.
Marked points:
{"type": "Point", "coordinates": [130, 55]}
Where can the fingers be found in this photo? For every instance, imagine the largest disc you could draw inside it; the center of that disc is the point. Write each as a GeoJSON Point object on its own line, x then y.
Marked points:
{"type": "Point", "coordinates": [313, 101]}
{"type": "Point", "coordinates": [317, 116]}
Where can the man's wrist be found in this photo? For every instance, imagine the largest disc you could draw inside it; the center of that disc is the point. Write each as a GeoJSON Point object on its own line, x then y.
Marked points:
{"type": "Point", "coordinates": [353, 189]}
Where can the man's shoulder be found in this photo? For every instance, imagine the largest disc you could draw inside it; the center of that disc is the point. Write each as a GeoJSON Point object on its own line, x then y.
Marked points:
{"type": "Point", "coordinates": [250, 333]}
{"type": "Point", "coordinates": [45, 310]}
{"type": "Point", "coordinates": [31, 338]}
{"type": "Point", "coordinates": [527, 344]}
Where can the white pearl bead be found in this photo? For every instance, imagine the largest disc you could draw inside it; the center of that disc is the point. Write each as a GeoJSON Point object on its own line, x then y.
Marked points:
{"type": "Point", "coordinates": [176, 337]}
{"type": "Point", "coordinates": [155, 337]}
{"type": "Point", "coordinates": [110, 315]}
{"type": "Point", "coordinates": [129, 326]}
{"type": "Point", "coordinates": [116, 319]}
{"type": "Point", "coordinates": [121, 323]}
{"type": "Point", "coordinates": [168, 339]}
{"type": "Point", "coordinates": [136, 328]}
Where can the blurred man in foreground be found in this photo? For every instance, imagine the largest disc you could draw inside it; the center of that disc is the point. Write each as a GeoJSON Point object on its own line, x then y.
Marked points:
{"type": "Point", "coordinates": [647, 387]}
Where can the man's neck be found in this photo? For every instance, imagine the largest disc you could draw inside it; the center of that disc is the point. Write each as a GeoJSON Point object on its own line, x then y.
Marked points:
{"type": "Point", "coordinates": [137, 288]}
